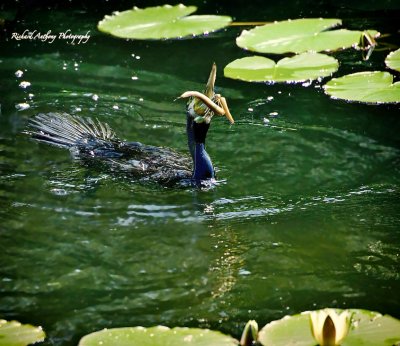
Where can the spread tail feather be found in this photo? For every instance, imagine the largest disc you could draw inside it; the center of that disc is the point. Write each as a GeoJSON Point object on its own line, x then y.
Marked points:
{"type": "Point", "coordinates": [65, 131]}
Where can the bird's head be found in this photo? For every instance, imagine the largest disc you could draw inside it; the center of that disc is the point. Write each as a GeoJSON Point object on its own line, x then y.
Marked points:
{"type": "Point", "coordinates": [201, 107]}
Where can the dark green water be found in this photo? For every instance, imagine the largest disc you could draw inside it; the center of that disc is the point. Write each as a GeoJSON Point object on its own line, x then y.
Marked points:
{"type": "Point", "coordinates": [307, 215]}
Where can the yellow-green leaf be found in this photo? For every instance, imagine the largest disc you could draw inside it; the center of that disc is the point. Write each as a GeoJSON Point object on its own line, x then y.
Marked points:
{"type": "Point", "coordinates": [161, 22]}
{"type": "Point", "coordinates": [14, 333]}
{"type": "Point", "coordinates": [368, 87]}
{"type": "Point", "coordinates": [393, 60]}
{"type": "Point", "coordinates": [157, 336]}
{"type": "Point", "coordinates": [302, 67]}
{"type": "Point", "coordinates": [299, 35]}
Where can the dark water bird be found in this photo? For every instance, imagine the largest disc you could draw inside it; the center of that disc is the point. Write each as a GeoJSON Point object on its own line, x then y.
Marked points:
{"type": "Point", "coordinates": [94, 142]}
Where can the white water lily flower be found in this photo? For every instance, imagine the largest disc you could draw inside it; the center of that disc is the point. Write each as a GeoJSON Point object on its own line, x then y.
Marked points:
{"type": "Point", "coordinates": [328, 327]}
{"type": "Point", "coordinates": [250, 333]}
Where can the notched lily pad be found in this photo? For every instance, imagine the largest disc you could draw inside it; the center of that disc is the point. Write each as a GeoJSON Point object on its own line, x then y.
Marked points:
{"type": "Point", "coordinates": [157, 336]}
{"type": "Point", "coordinates": [14, 333]}
{"type": "Point", "coordinates": [368, 87]}
{"type": "Point", "coordinates": [161, 22]}
{"type": "Point", "coordinates": [299, 68]}
{"type": "Point", "coordinates": [300, 35]}
{"type": "Point", "coordinates": [393, 60]}
{"type": "Point", "coordinates": [366, 328]}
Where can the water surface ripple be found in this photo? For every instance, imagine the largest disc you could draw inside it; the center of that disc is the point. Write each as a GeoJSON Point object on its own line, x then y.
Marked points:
{"type": "Point", "coordinates": [305, 215]}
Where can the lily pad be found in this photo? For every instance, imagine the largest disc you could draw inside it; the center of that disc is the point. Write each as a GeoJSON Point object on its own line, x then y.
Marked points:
{"type": "Point", "coordinates": [393, 60]}
{"type": "Point", "coordinates": [157, 336]}
{"type": "Point", "coordinates": [299, 35]}
{"type": "Point", "coordinates": [306, 66]}
{"type": "Point", "coordinates": [369, 87]}
{"type": "Point", "coordinates": [161, 22]}
{"type": "Point", "coordinates": [14, 333]}
{"type": "Point", "coordinates": [367, 328]}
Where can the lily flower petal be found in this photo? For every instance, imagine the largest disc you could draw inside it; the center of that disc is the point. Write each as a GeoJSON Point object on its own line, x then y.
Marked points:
{"type": "Point", "coordinates": [328, 327]}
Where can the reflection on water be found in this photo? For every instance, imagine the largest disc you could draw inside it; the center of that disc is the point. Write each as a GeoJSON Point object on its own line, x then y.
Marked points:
{"type": "Point", "coordinates": [305, 215]}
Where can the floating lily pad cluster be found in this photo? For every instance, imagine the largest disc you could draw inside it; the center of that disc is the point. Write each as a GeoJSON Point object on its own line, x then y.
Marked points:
{"type": "Point", "coordinates": [306, 38]}
{"type": "Point", "coordinates": [312, 35]}
{"type": "Point", "coordinates": [352, 327]}
{"type": "Point", "coordinates": [301, 36]}
{"type": "Point", "coordinates": [368, 87]}
{"type": "Point", "coordinates": [161, 22]}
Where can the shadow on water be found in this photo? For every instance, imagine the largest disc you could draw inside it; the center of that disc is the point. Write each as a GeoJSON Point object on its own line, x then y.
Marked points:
{"type": "Point", "coordinates": [305, 214]}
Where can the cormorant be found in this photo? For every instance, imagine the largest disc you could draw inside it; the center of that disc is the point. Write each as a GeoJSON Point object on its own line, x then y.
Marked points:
{"type": "Point", "coordinates": [92, 141]}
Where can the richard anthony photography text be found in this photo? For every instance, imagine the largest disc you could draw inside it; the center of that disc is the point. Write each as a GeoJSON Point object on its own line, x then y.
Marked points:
{"type": "Point", "coordinates": [50, 37]}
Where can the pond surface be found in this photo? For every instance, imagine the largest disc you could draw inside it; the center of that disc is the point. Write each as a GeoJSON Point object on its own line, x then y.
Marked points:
{"type": "Point", "coordinates": [306, 215]}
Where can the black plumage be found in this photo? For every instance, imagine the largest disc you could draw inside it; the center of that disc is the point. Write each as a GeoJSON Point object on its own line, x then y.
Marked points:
{"type": "Point", "coordinates": [94, 142]}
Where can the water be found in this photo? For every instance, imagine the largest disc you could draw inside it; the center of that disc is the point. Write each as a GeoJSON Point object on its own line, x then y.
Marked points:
{"type": "Point", "coordinates": [306, 214]}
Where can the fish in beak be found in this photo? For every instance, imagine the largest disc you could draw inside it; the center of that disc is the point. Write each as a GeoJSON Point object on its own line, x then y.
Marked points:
{"type": "Point", "coordinates": [203, 106]}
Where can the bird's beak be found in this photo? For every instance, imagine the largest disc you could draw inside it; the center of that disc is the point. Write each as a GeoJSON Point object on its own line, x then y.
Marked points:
{"type": "Point", "coordinates": [209, 92]}
{"type": "Point", "coordinates": [215, 102]}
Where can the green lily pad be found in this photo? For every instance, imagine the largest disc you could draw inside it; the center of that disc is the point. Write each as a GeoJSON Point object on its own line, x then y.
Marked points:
{"type": "Point", "coordinates": [299, 35]}
{"type": "Point", "coordinates": [302, 67]}
{"type": "Point", "coordinates": [16, 334]}
{"type": "Point", "coordinates": [157, 336]}
{"type": "Point", "coordinates": [393, 60]}
{"type": "Point", "coordinates": [369, 87]}
{"type": "Point", "coordinates": [161, 22]}
{"type": "Point", "coordinates": [367, 328]}
{"type": "Point", "coordinates": [290, 330]}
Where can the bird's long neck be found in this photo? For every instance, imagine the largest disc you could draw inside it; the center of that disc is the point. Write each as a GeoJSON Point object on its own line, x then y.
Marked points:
{"type": "Point", "coordinates": [190, 135]}
{"type": "Point", "coordinates": [202, 165]}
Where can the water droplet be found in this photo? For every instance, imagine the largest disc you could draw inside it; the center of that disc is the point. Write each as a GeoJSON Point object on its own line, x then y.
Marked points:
{"type": "Point", "coordinates": [244, 272]}
{"type": "Point", "coordinates": [22, 106]}
{"type": "Point", "coordinates": [59, 192]}
{"type": "Point", "coordinates": [24, 84]}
